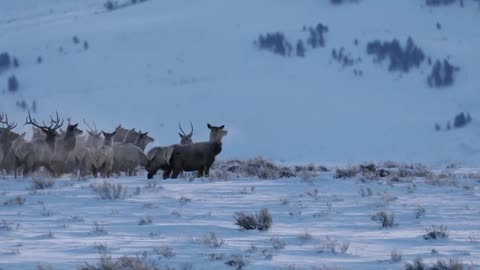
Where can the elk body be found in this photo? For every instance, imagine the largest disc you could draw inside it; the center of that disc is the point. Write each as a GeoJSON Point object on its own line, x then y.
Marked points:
{"type": "Point", "coordinates": [83, 151]}
{"type": "Point", "coordinates": [128, 156]}
{"type": "Point", "coordinates": [158, 158]}
{"type": "Point", "coordinates": [61, 161]}
{"type": "Point", "coordinates": [198, 156]}
{"type": "Point", "coordinates": [102, 159]}
{"type": "Point", "coordinates": [191, 157]}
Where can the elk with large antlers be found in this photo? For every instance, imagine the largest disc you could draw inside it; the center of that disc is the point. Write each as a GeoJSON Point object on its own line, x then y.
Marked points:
{"type": "Point", "coordinates": [61, 160]}
{"type": "Point", "coordinates": [197, 156]}
{"type": "Point", "coordinates": [7, 136]}
{"type": "Point", "coordinates": [44, 148]}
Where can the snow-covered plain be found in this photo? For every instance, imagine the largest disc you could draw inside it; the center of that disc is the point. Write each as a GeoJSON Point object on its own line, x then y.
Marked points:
{"type": "Point", "coordinates": [56, 226]}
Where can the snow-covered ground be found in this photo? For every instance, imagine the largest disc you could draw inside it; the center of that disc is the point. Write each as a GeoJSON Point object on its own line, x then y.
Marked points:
{"type": "Point", "coordinates": [154, 64]}
{"type": "Point", "coordinates": [56, 226]}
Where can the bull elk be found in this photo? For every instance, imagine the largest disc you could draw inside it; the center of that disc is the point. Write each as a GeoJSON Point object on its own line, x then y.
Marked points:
{"type": "Point", "coordinates": [192, 157]}
{"type": "Point", "coordinates": [43, 149]}
{"type": "Point", "coordinates": [61, 161]}
{"type": "Point", "coordinates": [7, 136]}
{"type": "Point", "coordinates": [198, 156]}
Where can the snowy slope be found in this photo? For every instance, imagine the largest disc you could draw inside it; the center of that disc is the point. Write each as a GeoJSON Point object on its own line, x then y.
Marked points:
{"type": "Point", "coordinates": [154, 64]}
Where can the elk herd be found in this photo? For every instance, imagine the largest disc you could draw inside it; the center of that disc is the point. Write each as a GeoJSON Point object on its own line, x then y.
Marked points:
{"type": "Point", "coordinates": [99, 153]}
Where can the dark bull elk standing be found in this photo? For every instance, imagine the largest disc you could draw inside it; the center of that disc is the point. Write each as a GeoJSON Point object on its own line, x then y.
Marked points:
{"type": "Point", "coordinates": [193, 157]}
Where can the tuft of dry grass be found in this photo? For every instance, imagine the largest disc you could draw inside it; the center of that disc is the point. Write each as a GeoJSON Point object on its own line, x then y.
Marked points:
{"type": "Point", "coordinates": [436, 232]}
{"type": "Point", "coordinates": [385, 219]}
{"type": "Point", "coordinates": [211, 240]}
{"type": "Point", "coordinates": [109, 191]}
{"type": "Point", "coordinates": [17, 200]}
{"type": "Point", "coordinates": [41, 183]}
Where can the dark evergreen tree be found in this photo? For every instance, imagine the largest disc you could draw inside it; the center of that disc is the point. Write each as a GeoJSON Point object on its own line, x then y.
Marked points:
{"type": "Point", "coordinates": [300, 48]}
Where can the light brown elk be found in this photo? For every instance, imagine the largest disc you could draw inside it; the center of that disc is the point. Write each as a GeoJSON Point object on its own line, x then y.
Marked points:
{"type": "Point", "coordinates": [43, 149]}
{"type": "Point", "coordinates": [83, 151]}
{"type": "Point", "coordinates": [102, 159]}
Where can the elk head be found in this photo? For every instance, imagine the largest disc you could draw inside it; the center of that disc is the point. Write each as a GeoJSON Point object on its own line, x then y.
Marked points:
{"type": "Point", "coordinates": [143, 140]}
{"type": "Point", "coordinates": [121, 132]}
{"type": "Point", "coordinates": [131, 136]}
{"type": "Point", "coordinates": [108, 141]}
{"type": "Point", "coordinates": [49, 130]}
{"type": "Point", "coordinates": [185, 138]}
{"type": "Point", "coordinates": [94, 139]}
{"type": "Point", "coordinates": [217, 133]}
{"type": "Point", "coordinates": [73, 130]}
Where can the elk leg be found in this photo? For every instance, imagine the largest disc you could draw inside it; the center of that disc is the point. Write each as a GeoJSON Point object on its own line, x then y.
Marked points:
{"type": "Point", "coordinates": [200, 173]}
{"type": "Point", "coordinates": [49, 168]}
{"type": "Point", "coordinates": [166, 173]}
{"type": "Point", "coordinates": [207, 171]}
{"type": "Point", "coordinates": [94, 171]}
{"type": "Point", "coordinates": [175, 173]}
{"type": "Point", "coordinates": [15, 167]}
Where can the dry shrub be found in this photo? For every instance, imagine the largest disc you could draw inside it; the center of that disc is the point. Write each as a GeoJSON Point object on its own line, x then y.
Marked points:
{"type": "Point", "coordinates": [110, 191]}
{"type": "Point", "coordinates": [414, 170]}
{"type": "Point", "coordinates": [451, 264]}
{"type": "Point", "coordinates": [442, 179]}
{"type": "Point", "coordinates": [123, 263]}
{"type": "Point", "coordinates": [210, 239]}
{"type": "Point", "coordinates": [17, 200]}
{"type": "Point", "coordinates": [385, 219]}
{"type": "Point", "coordinates": [261, 220]}
{"type": "Point", "coordinates": [347, 172]}
{"type": "Point", "coordinates": [257, 167]}
{"type": "Point", "coordinates": [40, 183]}
{"type": "Point", "coordinates": [436, 232]}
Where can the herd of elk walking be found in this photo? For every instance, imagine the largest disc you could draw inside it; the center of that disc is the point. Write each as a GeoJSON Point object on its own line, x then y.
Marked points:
{"type": "Point", "coordinates": [101, 153]}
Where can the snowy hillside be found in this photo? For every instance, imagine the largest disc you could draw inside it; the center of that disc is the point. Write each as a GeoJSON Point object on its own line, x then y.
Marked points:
{"type": "Point", "coordinates": [153, 64]}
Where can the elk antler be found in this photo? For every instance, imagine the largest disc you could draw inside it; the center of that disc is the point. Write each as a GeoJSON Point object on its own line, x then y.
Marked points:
{"type": "Point", "coordinates": [90, 129]}
{"type": "Point", "coordinates": [54, 123]}
{"type": "Point", "coordinates": [4, 121]}
{"type": "Point", "coordinates": [183, 132]}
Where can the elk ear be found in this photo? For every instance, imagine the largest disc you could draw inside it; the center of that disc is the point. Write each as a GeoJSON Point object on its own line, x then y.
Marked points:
{"type": "Point", "coordinates": [222, 126]}
{"type": "Point", "coordinates": [23, 134]}
{"type": "Point", "coordinates": [76, 125]}
{"type": "Point", "coordinates": [119, 126]}
{"type": "Point", "coordinates": [181, 136]}
{"type": "Point", "coordinates": [103, 132]}
{"type": "Point", "coordinates": [113, 133]}
{"type": "Point", "coordinates": [209, 126]}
